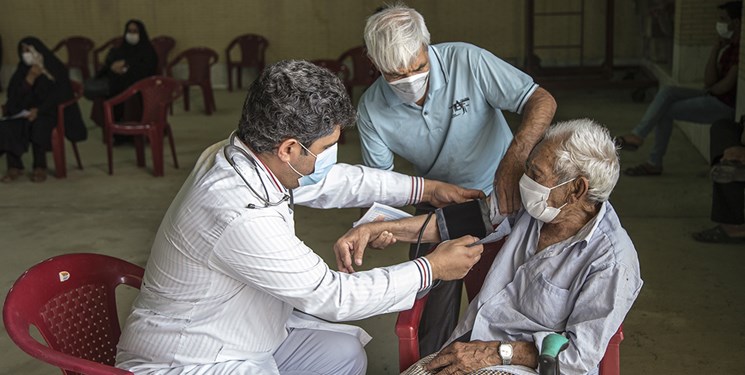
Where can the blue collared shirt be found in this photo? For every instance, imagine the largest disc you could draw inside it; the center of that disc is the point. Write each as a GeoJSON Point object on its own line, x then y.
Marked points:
{"type": "Point", "coordinates": [459, 135]}
{"type": "Point", "coordinates": [581, 287]}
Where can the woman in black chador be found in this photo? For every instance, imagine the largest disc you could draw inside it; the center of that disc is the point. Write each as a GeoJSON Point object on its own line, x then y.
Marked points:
{"type": "Point", "coordinates": [38, 85]}
{"type": "Point", "coordinates": [134, 60]}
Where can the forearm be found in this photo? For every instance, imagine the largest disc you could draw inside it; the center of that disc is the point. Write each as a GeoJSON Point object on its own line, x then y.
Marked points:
{"type": "Point", "coordinates": [408, 229]}
{"type": "Point", "coordinates": [537, 116]}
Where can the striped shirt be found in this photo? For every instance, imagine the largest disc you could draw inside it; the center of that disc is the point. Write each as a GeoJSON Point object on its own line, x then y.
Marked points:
{"type": "Point", "coordinates": [223, 279]}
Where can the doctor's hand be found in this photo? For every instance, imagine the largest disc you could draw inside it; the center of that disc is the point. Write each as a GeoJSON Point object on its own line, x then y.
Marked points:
{"type": "Point", "coordinates": [351, 246]}
{"type": "Point", "coordinates": [451, 260]}
{"type": "Point", "coordinates": [440, 194]}
{"type": "Point", "coordinates": [507, 183]}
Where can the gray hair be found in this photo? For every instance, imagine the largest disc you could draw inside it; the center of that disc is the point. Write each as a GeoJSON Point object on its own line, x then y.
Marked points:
{"type": "Point", "coordinates": [293, 99]}
{"type": "Point", "coordinates": [394, 36]}
{"type": "Point", "coordinates": [585, 148]}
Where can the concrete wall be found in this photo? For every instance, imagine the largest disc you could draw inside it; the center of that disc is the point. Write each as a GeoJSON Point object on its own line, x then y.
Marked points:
{"type": "Point", "coordinates": [306, 29]}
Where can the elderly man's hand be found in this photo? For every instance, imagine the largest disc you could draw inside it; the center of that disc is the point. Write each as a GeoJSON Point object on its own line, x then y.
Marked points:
{"type": "Point", "coordinates": [451, 260]}
{"type": "Point", "coordinates": [507, 183]}
{"type": "Point", "coordinates": [465, 357]}
{"type": "Point", "coordinates": [440, 194]}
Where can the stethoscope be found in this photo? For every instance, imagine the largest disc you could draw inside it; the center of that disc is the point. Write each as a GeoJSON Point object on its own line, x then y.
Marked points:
{"type": "Point", "coordinates": [231, 148]}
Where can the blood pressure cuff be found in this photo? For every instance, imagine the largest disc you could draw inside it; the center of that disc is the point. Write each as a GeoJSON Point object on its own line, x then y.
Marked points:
{"type": "Point", "coordinates": [468, 218]}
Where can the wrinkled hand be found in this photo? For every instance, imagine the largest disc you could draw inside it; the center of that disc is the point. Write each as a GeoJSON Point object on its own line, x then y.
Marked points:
{"type": "Point", "coordinates": [451, 260]}
{"type": "Point", "coordinates": [33, 113]}
{"type": "Point", "coordinates": [444, 194]}
{"type": "Point", "coordinates": [465, 357]}
{"type": "Point", "coordinates": [507, 183]}
{"type": "Point", "coordinates": [351, 246]}
{"type": "Point", "coordinates": [736, 153]}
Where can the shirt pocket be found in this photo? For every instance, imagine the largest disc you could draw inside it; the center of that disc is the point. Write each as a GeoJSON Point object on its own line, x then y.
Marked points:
{"type": "Point", "coordinates": [545, 303]}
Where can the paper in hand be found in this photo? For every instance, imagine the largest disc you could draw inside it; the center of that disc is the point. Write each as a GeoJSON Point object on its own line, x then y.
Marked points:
{"type": "Point", "coordinates": [380, 210]}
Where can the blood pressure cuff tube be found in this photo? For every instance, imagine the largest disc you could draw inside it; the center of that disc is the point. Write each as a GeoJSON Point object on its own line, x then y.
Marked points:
{"type": "Point", "coordinates": [468, 218]}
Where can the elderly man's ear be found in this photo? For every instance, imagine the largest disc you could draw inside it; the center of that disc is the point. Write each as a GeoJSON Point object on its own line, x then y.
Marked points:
{"type": "Point", "coordinates": [580, 186]}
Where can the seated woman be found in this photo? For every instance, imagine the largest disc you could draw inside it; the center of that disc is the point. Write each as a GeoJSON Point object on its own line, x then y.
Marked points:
{"type": "Point", "coordinates": [134, 60]}
{"type": "Point", "coordinates": [567, 266]}
{"type": "Point", "coordinates": [38, 85]}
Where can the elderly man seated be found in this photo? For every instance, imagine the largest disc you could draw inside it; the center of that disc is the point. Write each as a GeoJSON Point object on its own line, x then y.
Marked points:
{"type": "Point", "coordinates": [567, 266]}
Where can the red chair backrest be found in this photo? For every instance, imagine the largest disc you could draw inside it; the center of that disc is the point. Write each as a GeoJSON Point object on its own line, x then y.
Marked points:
{"type": "Point", "coordinates": [364, 72]}
{"type": "Point", "coordinates": [253, 49]}
{"type": "Point", "coordinates": [71, 300]}
{"type": "Point", "coordinates": [158, 92]}
{"type": "Point", "coordinates": [111, 43]}
{"type": "Point", "coordinates": [199, 59]}
{"type": "Point", "coordinates": [163, 45]}
{"type": "Point", "coordinates": [78, 51]}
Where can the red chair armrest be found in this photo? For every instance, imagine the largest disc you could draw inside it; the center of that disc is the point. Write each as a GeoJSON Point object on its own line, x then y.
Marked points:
{"type": "Point", "coordinates": [407, 330]}
{"type": "Point", "coordinates": [176, 60]}
{"type": "Point", "coordinates": [230, 48]}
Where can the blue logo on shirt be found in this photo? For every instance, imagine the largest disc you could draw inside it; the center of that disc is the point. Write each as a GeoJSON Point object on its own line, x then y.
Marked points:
{"type": "Point", "coordinates": [460, 107]}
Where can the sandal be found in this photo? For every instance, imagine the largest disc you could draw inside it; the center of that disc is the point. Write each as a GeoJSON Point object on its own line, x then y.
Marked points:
{"type": "Point", "coordinates": [717, 235]}
{"type": "Point", "coordinates": [12, 175]}
{"type": "Point", "coordinates": [623, 144]}
{"type": "Point", "coordinates": [644, 169]}
{"type": "Point", "coordinates": [728, 171]}
{"type": "Point", "coordinates": [39, 175]}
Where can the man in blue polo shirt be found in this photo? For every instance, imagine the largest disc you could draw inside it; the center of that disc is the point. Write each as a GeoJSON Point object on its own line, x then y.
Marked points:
{"type": "Point", "coordinates": [440, 107]}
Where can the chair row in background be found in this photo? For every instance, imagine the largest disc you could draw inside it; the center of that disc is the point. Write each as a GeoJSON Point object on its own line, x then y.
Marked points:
{"type": "Point", "coordinates": [353, 65]}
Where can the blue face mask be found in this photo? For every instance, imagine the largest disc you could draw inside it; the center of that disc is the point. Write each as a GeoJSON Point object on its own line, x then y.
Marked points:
{"type": "Point", "coordinates": [324, 161]}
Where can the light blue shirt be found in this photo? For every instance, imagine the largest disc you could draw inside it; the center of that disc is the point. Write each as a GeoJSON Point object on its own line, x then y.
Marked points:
{"type": "Point", "coordinates": [459, 135]}
{"type": "Point", "coordinates": [581, 287]}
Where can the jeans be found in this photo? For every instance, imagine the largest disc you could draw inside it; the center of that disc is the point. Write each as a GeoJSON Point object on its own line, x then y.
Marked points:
{"type": "Point", "coordinates": [678, 103]}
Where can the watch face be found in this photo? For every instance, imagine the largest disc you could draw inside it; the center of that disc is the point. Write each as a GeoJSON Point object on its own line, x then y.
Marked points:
{"type": "Point", "coordinates": [505, 350]}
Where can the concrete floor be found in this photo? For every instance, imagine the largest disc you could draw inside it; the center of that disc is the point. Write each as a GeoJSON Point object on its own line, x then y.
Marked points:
{"type": "Point", "coordinates": [687, 320]}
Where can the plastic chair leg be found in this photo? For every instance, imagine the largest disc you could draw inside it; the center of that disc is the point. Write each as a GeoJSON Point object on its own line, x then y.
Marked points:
{"type": "Point", "coordinates": [109, 147]}
{"type": "Point", "coordinates": [240, 76]}
{"type": "Point", "coordinates": [208, 98]}
{"type": "Point", "coordinates": [156, 148]}
{"type": "Point", "coordinates": [58, 152]}
{"type": "Point", "coordinates": [171, 143]}
{"type": "Point", "coordinates": [77, 155]}
{"type": "Point", "coordinates": [230, 77]}
{"type": "Point", "coordinates": [140, 150]}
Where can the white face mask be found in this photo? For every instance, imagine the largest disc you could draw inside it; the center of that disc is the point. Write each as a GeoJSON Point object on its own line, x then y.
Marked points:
{"type": "Point", "coordinates": [324, 161]}
{"type": "Point", "coordinates": [535, 199]}
{"type": "Point", "coordinates": [723, 30]}
{"type": "Point", "coordinates": [28, 58]}
{"type": "Point", "coordinates": [411, 88]}
{"type": "Point", "coordinates": [132, 38]}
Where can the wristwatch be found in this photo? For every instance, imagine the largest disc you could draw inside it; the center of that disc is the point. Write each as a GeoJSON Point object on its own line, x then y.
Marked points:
{"type": "Point", "coordinates": [505, 351]}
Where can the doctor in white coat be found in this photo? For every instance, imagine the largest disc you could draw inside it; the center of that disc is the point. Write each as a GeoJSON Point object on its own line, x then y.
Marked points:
{"type": "Point", "coordinates": [227, 278]}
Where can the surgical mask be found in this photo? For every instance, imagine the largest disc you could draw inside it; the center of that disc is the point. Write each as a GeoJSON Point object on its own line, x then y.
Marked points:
{"type": "Point", "coordinates": [723, 30]}
{"type": "Point", "coordinates": [535, 199]}
{"type": "Point", "coordinates": [132, 38]}
{"type": "Point", "coordinates": [28, 58]}
{"type": "Point", "coordinates": [412, 88]}
{"type": "Point", "coordinates": [324, 161]}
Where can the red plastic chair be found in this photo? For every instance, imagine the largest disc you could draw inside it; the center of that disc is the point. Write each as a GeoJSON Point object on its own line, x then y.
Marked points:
{"type": "Point", "coordinates": [341, 71]}
{"type": "Point", "coordinates": [200, 61]}
{"type": "Point", "coordinates": [78, 52]}
{"type": "Point", "coordinates": [364, 72]}
{"type": "Point", "coordinates": [71, 300]}
{"type": "Point", "coordinates": [111, 43]}
{"type": "Point", "coordinates": [253, 49]}
{"type": "Point", "coordinates": [158, 93]}
{"type": "Point", "coordinates": [407, 324]}
{"type": "Point", "coordinates": [163, 45]}
{"type": "Point", "coordinates": [58, 134]}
